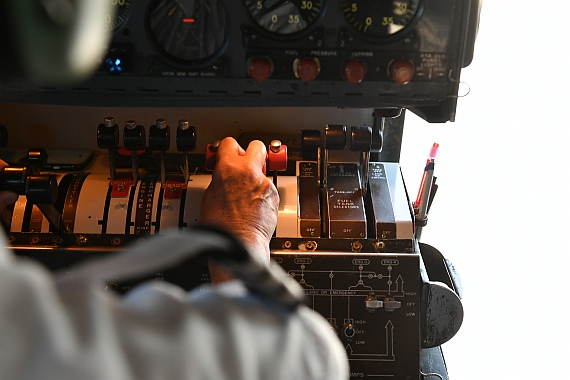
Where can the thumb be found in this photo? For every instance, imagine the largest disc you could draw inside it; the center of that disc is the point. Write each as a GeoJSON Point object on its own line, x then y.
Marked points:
{"type": "Point", "coordinates": [257, 153]}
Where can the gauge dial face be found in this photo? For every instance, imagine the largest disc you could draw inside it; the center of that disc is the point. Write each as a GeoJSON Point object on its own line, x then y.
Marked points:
{"type": "Point", "coordinates": [119, 14]}
{"type": "Point", "coordinates": [285, 17]}
{"type": "Point", "coordinates": [380, 18]}
{"type": "Point", "coordinates": [189, 31]}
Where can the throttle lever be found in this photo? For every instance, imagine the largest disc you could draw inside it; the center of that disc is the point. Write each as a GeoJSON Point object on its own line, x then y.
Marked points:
{"type": "Point", "coordinates": [361, 141]}
{"type": "Point", "coordinates": [185, 142]}
{"type": "Point", "coordinates": [108, 138]}
{"type": "Point", "coordinates": [39, 189]}
{"type": "Point", "coordinates": [276, 159]}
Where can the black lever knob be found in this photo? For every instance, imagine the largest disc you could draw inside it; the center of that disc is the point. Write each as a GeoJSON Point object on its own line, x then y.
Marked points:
{"type": "Point", "coordinates": [159, 136]}
{"type": "Point", "coordinates": [42, 189]}
{"type": "Point", "coordinates": [108, 134]}
{"type": "Point", "coordinates": [377, 140]}
{"type": "Point", "coordinates": [335, 137]}
{"type": "Point", "coordinates": [185, 142]}
{"type": "Point", "coordinates": [360, 139]}
{"type": "Point", "coordinates": [134, 136]}
{"type": "Point", "coordinates": [185, 136]}
{"type": "Point", "coordinates": [37, 188]}
{"type": "Point", "coordinates": [14, 179]}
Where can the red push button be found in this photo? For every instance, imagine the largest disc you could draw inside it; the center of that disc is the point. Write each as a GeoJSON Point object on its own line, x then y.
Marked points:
{"type": "Point", "coordinates": [259, 69]}
{"type": "Point", "coordinates": [401, 72]}
{"type": "Point", "coordinates": [306, 69]}
{"type": "Point", "coordinates": [354, 71]}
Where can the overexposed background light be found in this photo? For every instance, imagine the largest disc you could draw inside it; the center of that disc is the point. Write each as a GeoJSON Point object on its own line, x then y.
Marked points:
{"type": "Point", "coordinates": [501, 214]}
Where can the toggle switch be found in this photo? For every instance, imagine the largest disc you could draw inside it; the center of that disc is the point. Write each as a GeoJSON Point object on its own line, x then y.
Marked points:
{"type": "Point", "coordinates": [159, 139]}
{"type": "Point", "coordinates": [390, 304]}
{"type": "Point", "coordinates": [372, 303]}
{"type": "Point", "coordinates": [108, 138]}
{"type": "Point", "coordinates": [134, 139]}
{"type": "Point", "coordinates": [348, 330]}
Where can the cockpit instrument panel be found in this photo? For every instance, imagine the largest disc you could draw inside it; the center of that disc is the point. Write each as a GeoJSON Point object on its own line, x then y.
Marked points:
{"type": "Point", "coordinates": [267, 53]}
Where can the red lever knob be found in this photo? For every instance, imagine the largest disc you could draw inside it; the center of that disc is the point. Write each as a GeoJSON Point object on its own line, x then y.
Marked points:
{"type": "Point", "coordinates": [276, 159]}
{"type": "Point", "coordinates": [277, 156]}
{"type": "Point", "coordinates": [211, 150]}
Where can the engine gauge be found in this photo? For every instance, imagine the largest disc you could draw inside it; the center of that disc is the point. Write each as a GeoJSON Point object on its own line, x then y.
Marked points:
{"type": "Point", "coordinates": [381, 18]}
{"type": "Point", "coordinates": [285, 17]}
{"type": "Point", "coordinates": [188, 31]}
{"type": "Point", "coordinates": [118, 16]}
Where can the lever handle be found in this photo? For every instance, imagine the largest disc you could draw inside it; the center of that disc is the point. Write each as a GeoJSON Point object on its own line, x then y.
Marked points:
{"type": "Point", "coordinates": [276, 159]}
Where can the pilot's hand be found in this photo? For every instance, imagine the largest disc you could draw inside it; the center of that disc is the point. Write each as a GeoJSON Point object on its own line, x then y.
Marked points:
{"type": "Point", "coordinates": [241, 199]}
{"type": "Point", "coordinates": [6, 197]}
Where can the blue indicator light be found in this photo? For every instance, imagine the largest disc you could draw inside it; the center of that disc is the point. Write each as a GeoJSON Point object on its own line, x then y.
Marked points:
{"type": "Point", "coordinates": [114, 65]}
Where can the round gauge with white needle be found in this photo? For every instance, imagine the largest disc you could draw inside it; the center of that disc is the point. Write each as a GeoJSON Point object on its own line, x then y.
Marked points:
{"type": "Point", "coordinates": [381, 18]}
{"type": "Point", "coordinates": [285, 17]}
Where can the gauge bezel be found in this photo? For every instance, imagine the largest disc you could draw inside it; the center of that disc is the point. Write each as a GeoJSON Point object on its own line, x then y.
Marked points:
{"type": "Point", "coordinates": [286, 37]}
{"type": "Point", "coordinates": [399, 35]}
{"type": "Point", "coordinates": [121, 23]}
{"type": "Point", "coordinates": [180, 62]}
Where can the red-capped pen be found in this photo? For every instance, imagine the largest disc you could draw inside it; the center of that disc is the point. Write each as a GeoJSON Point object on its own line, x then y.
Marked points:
{"type": "Point", "coordinates": [433, 155]}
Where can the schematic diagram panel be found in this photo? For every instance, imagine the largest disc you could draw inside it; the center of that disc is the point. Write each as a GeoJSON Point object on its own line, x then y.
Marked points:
{"type": "Point", "coordinates": [372, 302]}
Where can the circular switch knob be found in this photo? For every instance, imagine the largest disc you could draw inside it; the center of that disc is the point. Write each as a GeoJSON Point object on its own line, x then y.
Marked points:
{"type": "Point", "coordinates": [401, 72]}
{"type": "Point", "coordinates": [354, 71]}
{"type": "Point", "coordinates": [306, 69]}
{"type": "Point", "coordinates": [259, 68]}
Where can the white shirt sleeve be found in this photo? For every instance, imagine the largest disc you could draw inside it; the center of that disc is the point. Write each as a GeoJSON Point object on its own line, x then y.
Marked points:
{"type": "Point", "coordinates": [75, 329]}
